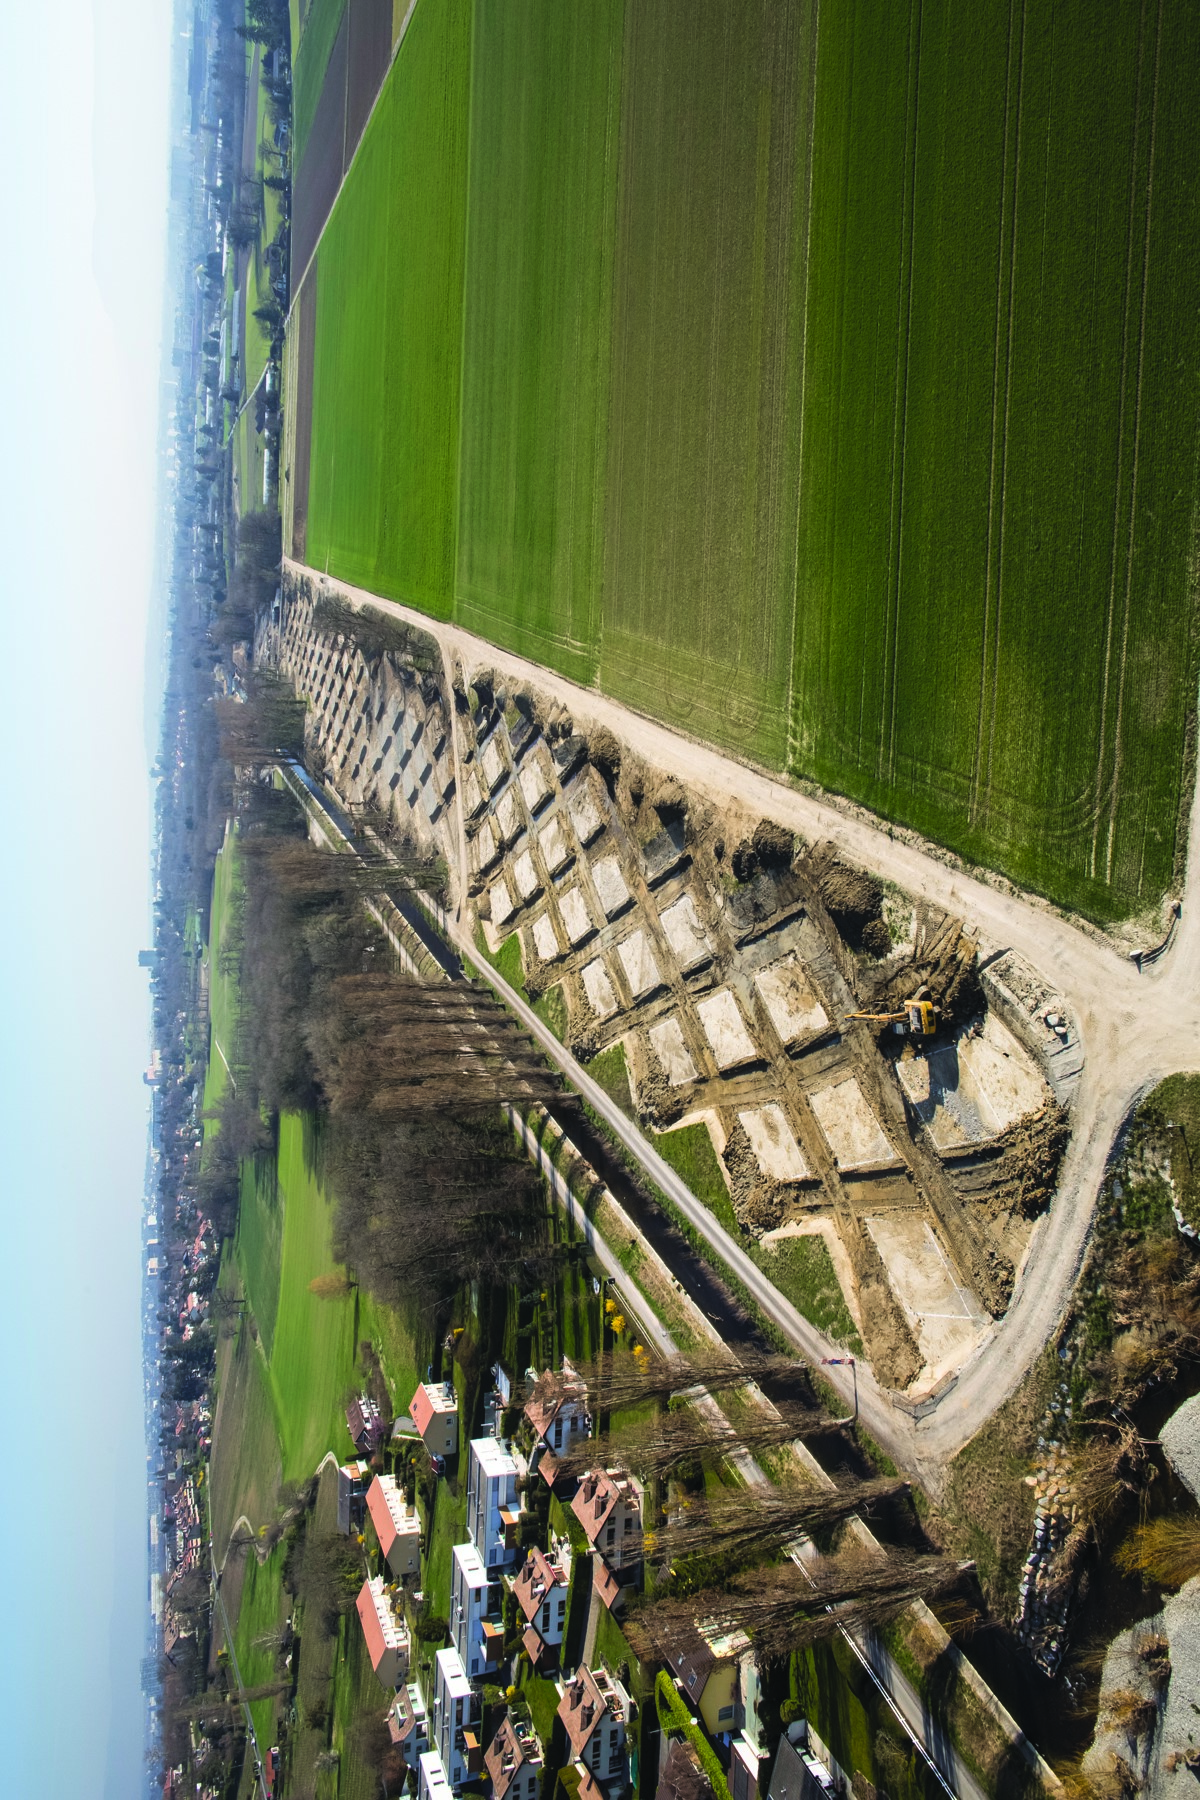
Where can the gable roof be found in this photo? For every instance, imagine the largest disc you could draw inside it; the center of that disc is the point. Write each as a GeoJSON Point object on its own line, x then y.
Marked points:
{"type": "Point", "coordinates": [430, 1398]}
{"type": "Point", "coordinates": [538, 1577]}
{"type": "Point", "coordinates": [598, 1493]}
{"type": "Point", "coordinates": [382, 1491]}
{"type": "Point", "coordinates": [551, 1391]}
{"type": "Point", "coordinates": [372, 1625]}
{"type": "Point", "coordinates": [583, 1705]}
{"type": "Point", "coordinates": [506, 1755]}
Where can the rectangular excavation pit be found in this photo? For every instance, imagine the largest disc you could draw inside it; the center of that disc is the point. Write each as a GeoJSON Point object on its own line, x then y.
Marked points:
{"type": "Point", "coordinates": [535, 780]}
{"type": "Point", "coordinates": [724, 1027]}
{"type": "Point", "coordinates": [500, 903]}
{"type": "Point", "coordinates": [667, 1042]}
{"type": "Point", "coordinates": [945, 1316]}
{"type": "Point", "coordinates": [610, 885]}
{"type": "Point", "coordinates": [509, 816]}
{"type": "Point", "coordinates": [774, 1143]}
{"type": "Point", "coordinates": [974, 1088]}
{"type": "Point", "coordinates": [599, 990]}
{"type": "Point", "coordinates": [492, 764]}
{"type": "Point", "coordinates": [575, 915]}
{"type": "Point", "coordinates": [525, 875]}
{"type": "Point", "coordinates": [555, 847]}
{"type": "Point", "coordinates": [850, 1128]}
{"type": "Point", "coordinates": [685, 934]}
{"type": "Point", "coordinates": [583, 804]}
{"type": "Point", "coordinates": [545, 938]}
{"type": "Point", "coordinates": [793, 1008]}
{"type": "Point", "coordinates": [640, 964]}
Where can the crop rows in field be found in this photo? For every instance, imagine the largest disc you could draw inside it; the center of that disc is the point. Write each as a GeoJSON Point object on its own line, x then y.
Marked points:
{"type": "Point", "coordinates": [830, 394]}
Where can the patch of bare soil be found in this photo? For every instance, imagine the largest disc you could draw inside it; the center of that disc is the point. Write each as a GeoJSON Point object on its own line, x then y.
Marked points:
{"type": "Point", "coordinates": [891, 1348]}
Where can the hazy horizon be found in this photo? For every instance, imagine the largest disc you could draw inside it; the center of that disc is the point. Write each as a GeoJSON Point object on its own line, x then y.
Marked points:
{"type": "Point", "coordinates": [85, 132]}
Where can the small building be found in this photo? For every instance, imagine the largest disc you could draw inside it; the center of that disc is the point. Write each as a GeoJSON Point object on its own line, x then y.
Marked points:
{"type": "Point", "coordinates": [475, 1622]}
{"type": "Point", "coordinates": [513, 1761]}
{"type": "Point", "coordinates": [432, 1782]}
{"type": "Point", "coordinates": [365, 1425]}
{"type": "Point", "coordinates": [353, 1478]}
{"type": "Point", "coordinates": [493, 1505]}
{"type": "Point", "coordinates": [558, 1415]}
{"type": "Point", "coordinates": [386, 1635]}
{"type": "Point", "coordinates": [397, 1526]}
{"type": "Point", "coordinates": [706, 1663]}
{"type": "Point", "coordinates": [608, 1504]}
{"type": "Point", "coordinates": [434, 1412]}
{"type": "Point", "coordinates": [595, 1710]}
{"type": "Point", "coordinates": [541, 1592]}
{"type": "Point", "coordinates": [800, 1772]}
{"type": "Point", "coordinates": [408, 1724]}
{"type": "Point", "coordinates": [455, 1719]}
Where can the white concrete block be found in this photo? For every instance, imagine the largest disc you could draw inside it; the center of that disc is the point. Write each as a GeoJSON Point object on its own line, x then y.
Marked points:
{"type": "Point", "coordinates": [794, 1009]}
{"type": "Point", "coordinates": [586, 814]}
{"type": "Point", "coordinates": [545, 938]}
{"type": "Point", "coordinates": [535, 780]}
{"type": "Point", "coordinates": [526, 877]}
{"type": "Point", "coordinates": [555, 845]}
{"type": "Point", "coordinates": [493, 764]}
{"type": "Point", "coordinates": [575, 915]}
{"type": "Point", "coordinates": [850, 1128]}
{"type": "Point", "coordinates": [509, 816]}
{"type": "Point", "coordinates": [501, 902]}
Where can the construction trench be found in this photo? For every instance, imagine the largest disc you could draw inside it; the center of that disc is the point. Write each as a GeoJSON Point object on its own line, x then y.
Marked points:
{"type": "Point", "coordinates": [725, 956]}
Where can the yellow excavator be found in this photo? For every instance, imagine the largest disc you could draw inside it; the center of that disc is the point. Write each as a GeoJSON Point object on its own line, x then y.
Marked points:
{"type": "Point", "coordinates": [918, 1017]}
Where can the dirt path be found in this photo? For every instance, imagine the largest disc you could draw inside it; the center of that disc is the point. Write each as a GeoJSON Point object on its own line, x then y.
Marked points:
{"type": "Point", "coordinates": [1135, 1027]}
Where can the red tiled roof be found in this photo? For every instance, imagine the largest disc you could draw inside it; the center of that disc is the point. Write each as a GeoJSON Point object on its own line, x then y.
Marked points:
{"type": "Point", "coordinates": [604, 1581]}
{"type": "Point", "coordinates": [594, 1501]}
{"type": "Point", "coordinates": [538, 1576]}
{"type": "Point", "coordinates": [581, 1709]}
{"type": "Point", "coordinates": [589, 1787]}
{"type": "Point", "coordinates": [381, 1518]}
{"type": "Point", "coordinates": [372, 1629]}
{"type": "Point", "coordinates": [534, 1647]}
{"type": "Point", "coordinates": [421, 1409]}
{"type": "Point", "coordinates": [549, 1467]}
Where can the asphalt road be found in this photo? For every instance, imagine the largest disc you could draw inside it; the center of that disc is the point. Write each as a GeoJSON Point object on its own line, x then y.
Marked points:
{"type": "Point", "coordinates": [1135, 1028]}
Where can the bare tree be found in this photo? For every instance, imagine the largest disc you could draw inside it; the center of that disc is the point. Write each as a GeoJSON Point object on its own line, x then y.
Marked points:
{"type": "Point", "coordinates": [761, 1521]}
{"type": "Point", "coordinates": [671, 1441]}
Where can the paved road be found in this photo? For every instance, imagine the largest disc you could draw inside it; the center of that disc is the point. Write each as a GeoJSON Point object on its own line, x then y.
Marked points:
{"type": "Point", "coordinates": [1135, 1028]}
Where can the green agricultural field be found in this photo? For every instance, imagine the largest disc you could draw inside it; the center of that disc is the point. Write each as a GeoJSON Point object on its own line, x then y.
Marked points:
{"type": "Point", "coordinates": [824, 387]}
{"type": "Point", "coordinates": [260, 1613]}
{"type": "Point", "coordinates": [383, 474]}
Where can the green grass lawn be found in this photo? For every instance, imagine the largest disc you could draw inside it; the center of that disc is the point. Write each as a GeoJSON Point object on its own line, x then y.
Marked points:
{"type": "Point", "coordinates": [246, 1458]}
{"type": "Point", "coordinates": [894, 489]}
{"type": "Point", "coordinates": [261, 1611]}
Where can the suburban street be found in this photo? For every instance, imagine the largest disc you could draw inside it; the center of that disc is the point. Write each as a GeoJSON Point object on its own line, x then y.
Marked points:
{"type": "Point", "coordinates": [1136, 1026]}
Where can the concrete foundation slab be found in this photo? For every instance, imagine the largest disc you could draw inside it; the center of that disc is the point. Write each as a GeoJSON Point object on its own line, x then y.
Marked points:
{"type": "Point", "coordinates": [685, 934]}
{"type": "Point", "coordinates": [584, 807]}
{"type": "Point", "coordinates": [556, 850]}
{"type": "Point", "coordinates": [666, 1039]}
{"type": "Point", "coordinates": [508, 816]}
{"type": "Point", "coordinates": [545, 938]}
{"type": "Point", "coordinates": [610, 885]}
{"type": "Point", "coordinates": [638, 961]}
{"type": "Point", "coordinates": [535, 780]}
{"type": "Point", "coordinates": [1006, 1085]}
{"type": "Point", "coordinates": [945, 1317]}
{"type": "Point", "coordinates": [599, 990]}
{"type": "Point", "coordinates": [850, 1128]}
{"type": "Point", "coordinates": [794, 1009]}
{"type": "Point", "coordinates": [725, 1029]}
{"type": "Point", "coordinates": [502, 908]}
{"type": "Point", "coordinates": [774, 1143]}
{"type": "Point", "coordinates": [575, 915]}
{"type": "Point", "coordinates": [492, 764]}
{"type": "Point", "coordinates": [526, 877]}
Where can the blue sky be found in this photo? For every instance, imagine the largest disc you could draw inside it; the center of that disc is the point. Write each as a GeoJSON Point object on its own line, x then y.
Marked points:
{"type": "Point", "coordinates": [83, 131]}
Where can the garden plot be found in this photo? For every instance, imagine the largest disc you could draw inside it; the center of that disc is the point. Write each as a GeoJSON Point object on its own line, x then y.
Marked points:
{"type": "Point", "coordinates": [794, 1009]}
{"type": "Point", "coordinates": [974, 1088]}
{"type": "Point", "coordinates": [724, 1027]}
{"type": "Point", "coordinates": [945, 1317]}
{"type": "Point", "coordinates": [850, 1128]}
{"type": "Point", "coordinates": [774, 1143]}
{"type": "Point", "coordinates": [667, 1042]}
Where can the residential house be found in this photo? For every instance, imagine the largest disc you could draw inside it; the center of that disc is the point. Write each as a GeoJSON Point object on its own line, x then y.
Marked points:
{"type": "Point", "coordinates": [594, 1710]}
{"type": "Point", "coordinates": [558, 1414]}
{"type": "Point", "coordinates": [434, 1412]}
{"type": "Point", "coordinates": [493, 1505]}
{"type": "Point", "coordinates": [513, 1761]}
{"type": "Point", "coordinates": [353, 1478]}
{"type": "Point", "coordinates": [706, 1663]}
{"type": "Point", "coordinates": [541, 1591]}
{"type": "Point", "coordinates": [475, 1622]}
{"type": "Point", "coordinates": [432, 1783]}
{"type": "Point", "coordinates": [408, 1724]}
{"type": "Point", "coordinates": [804, 1769]}
{"type": "Point", "coordinates": [386, 1634]}
{"type": "Point", "coordinates": [608, 1504]}
{"type": "Point", "coordinates": [455, 1719]}
{"type": "Point", "coordinates": [365, 1425]}
{"type": "Point", "coordinates": [396, 1525]}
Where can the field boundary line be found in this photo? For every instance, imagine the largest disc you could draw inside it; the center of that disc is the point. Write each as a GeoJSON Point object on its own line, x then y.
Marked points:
{"type": "Point", "coordinates": [1137, 430]}
{"type": "Point", "coordinates": [814, 67]}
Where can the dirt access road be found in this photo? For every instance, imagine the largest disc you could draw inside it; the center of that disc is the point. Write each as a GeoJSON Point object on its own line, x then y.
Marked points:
{"type": "Point", "coordinates": [1135, 1027]}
